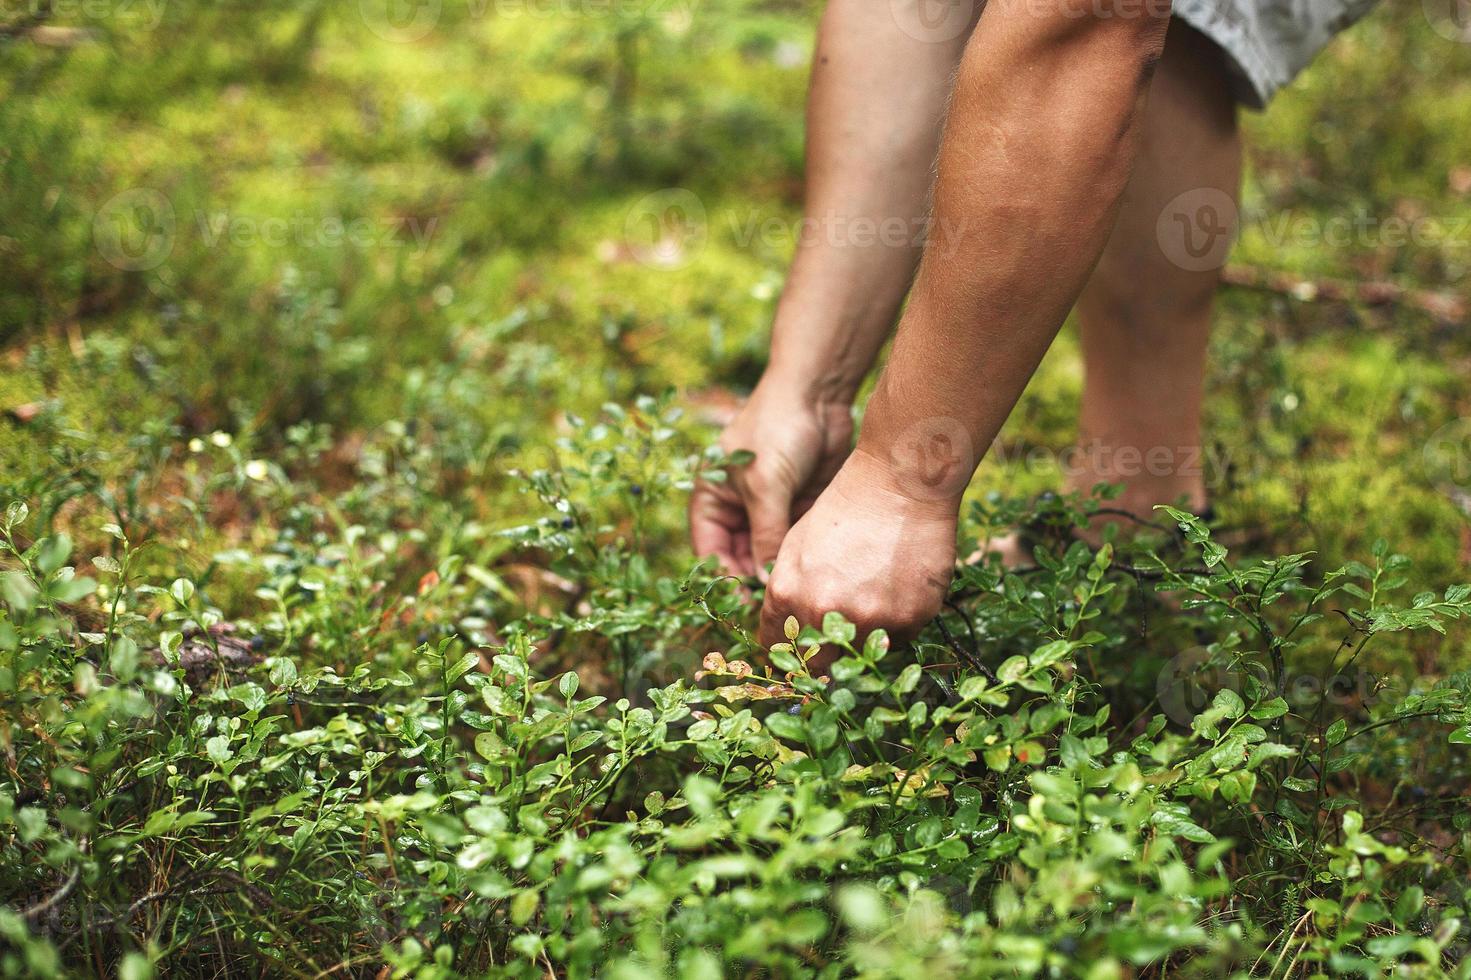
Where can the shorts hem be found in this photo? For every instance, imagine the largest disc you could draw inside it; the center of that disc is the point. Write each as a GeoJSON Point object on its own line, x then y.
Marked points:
{"type": "Point", "coordinates": [1254, 82]}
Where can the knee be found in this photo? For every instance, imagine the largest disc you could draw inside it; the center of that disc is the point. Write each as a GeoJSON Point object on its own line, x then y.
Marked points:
{"type": "Point", "coordinates": [1142, 291]}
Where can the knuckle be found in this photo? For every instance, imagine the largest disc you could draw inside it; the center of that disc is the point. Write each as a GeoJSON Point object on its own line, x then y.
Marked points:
{"type": "Point", "coordinates": [864, 614]}
{"type": "Point", "coordinates": [823, 603]}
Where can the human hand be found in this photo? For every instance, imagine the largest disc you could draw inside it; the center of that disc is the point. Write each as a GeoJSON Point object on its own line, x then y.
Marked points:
{"type": "Point", "coordinates": [868, 549]}
{"type": "Point", "coordinates": [799, 445]}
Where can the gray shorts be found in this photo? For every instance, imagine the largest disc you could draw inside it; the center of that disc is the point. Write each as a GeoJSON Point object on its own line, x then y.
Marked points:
{"type": "Point", "coordinates": [1269, 41]}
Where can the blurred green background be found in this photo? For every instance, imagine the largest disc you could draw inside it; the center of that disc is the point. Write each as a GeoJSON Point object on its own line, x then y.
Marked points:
{"type": "Point", "coordinates": [293, 220]}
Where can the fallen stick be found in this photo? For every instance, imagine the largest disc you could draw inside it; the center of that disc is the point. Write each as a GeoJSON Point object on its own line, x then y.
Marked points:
{"type": "Point", "coordinates": [1449, 308]}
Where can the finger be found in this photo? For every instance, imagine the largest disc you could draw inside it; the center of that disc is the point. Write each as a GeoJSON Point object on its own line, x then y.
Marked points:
{"type": "Point", "coordinates": [771, 519]}
{"type": "Point", "coordinates": [742, 548]}
{"type": "Point", "coordinates": [718, 527]}
{"type": "Point", "coordinates": [773, 620]}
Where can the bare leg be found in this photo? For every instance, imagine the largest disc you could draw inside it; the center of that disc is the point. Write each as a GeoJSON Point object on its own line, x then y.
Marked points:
{"type": "Point", "coordinates": [1145, 319]}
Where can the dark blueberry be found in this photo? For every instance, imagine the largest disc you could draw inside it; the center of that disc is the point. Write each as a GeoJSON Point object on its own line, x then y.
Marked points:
{"type": "Point", "coordinates": [257, 642]}
{"type": "Point", "coordinates": [795, 709]}
{"type": "Point", "coordinates": [1067, 945]}
{"type": "Point", "coordinates": [637, 489]}
{"type": "Point", "coordinates": [567, 522]}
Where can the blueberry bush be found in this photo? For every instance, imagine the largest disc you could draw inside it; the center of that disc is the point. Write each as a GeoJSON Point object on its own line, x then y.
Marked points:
{"type": "Point", "coordinates": [347, 622]}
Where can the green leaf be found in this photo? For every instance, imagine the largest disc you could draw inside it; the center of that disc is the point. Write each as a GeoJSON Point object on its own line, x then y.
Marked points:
{"type": "Point", "coordinates": [702, 729]}
{"type": "Point", "coordinates": [785, 726]}
{"type": "Point", "coordinates": [491, 747]}
{"type": "Point", "coordinates": [135, 966]}
{"type": "Point", "coordinates": [1012, 669]}
{"type": "Point", "coordinates": [283, 671]}
{"type": "Point", "coordinates": [18, 592]}
{"type": "Point", "coordinates": [182, 590]}
{"type": "Point", "coordinates": [1267, 710]}
{"type": "Point", "coordinates": [782, 656]}
{"type": "Point", "coordinates": [1229, 703]}
{"type": "Point", "coordinates": [16, 513]}
{"type": "Point", "coordinates": [837, 629]}
{"type": "Point", "coordinates": [52, 553]}
{"type": "Point", "coordinates": [1238, 786]}
{"type": "Point", "coordinates": [218, 749]}
{"type": "Point", "coordinates": [524, 906]}
{"type": "Point", "coordinates": [585, 740]}
{"type": "Point", "coordinates": [66, 588]}
{"type": "Point", "coordinates": [461, 667]}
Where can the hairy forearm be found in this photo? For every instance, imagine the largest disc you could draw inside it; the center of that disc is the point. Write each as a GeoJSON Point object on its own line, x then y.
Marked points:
{"type": "Point", "coordinates": [875, 108]}
{"type": "Point", "coordinates": [1038, 146]}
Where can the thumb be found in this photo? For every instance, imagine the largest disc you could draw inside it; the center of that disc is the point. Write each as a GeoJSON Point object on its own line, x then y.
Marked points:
{"type": "Point", "coordinates": [771, 519]}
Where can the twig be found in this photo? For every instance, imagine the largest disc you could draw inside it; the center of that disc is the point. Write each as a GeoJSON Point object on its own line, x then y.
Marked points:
{"type": "Point", "coordinates": [970, 659]}
{"type": "Point", "coordinates": [41, 908]}
{"type": "Point", "coordinates": [1446, 307]}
